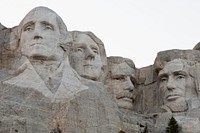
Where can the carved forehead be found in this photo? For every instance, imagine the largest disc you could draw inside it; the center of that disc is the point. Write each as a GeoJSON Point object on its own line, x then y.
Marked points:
{"type": "Point", "coordinates": [176, 65]}
{"type": "Point", "coordinates": [119, 60]}
{"type": "Point", "coordinates": [84, 38]}
{"type": "Point", "coordinates": [121, 69]}
{"type": "Point", "coordinates": [40, 13]}
{"type": "Point", "coordinates": [121, 66]}
{"type": "Point", "coordinates": [163, 57]}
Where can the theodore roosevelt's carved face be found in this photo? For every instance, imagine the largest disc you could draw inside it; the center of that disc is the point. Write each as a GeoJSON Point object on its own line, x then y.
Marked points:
{"type": "Point", "coordinates": [121, 83]}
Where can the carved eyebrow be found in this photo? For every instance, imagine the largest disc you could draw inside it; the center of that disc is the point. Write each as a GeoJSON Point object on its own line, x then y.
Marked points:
{"type": "Point", "coordinates": [117, 75]}
{"type": "Point", "coordinates": [162, 75]}
{"type": "Point", "coordinates": [28, 24]}
{"type": "Point", "coordinates": [95, 48]}
{"type": "Point", "coordinates": [79, 45]}
{"type": "Point", "coordinates": [179, 72]}
{"type": "Point", "coordinates": [47, 23]}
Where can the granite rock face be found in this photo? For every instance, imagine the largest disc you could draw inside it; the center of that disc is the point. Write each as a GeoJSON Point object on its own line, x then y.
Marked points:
{"type": "Point", "coordinates": [40, 91]}
{"type": "Point", "coordinates": [56, 81]}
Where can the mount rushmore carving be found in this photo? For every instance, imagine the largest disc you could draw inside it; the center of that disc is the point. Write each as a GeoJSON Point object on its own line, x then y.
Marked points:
{"type": "Point", "coordinates": [57, 81]}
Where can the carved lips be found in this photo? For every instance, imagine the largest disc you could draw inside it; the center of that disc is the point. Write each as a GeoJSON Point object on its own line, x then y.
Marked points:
{"type": "Point", "coordinates": [36, 44]}
{"type": "Point", "coordinates": [172, 97]}
{"type": "Point", "coordinates": [89, 64]}
{"type": "Point", "coordinates": [126, 96]}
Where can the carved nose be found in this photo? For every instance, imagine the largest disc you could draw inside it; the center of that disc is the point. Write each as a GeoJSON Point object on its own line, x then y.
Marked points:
{"type": "Point", "coordinates": [37, 32]}
{"type": "Point", "coordinates": [37, 37]}
{"type": "Point", "coordinates": [170, 84]}
{"type": "Point", "coordinates": [129, 85]}
{"type": "Point", "coordinates": [89, 54]}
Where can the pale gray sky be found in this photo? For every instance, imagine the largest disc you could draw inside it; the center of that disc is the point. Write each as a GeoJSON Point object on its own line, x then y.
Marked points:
{"type": "Point", "coordinates": [135, 29]}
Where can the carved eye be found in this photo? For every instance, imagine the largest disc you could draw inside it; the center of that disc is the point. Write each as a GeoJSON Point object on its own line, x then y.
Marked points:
{"type": "Point", "coordinates": [28, 28]}
{"type": "Point", "coordinates": [119, 78]}
{"type": "Point", "coordinates": [180, 76]}
{"type": "Point", "coordinates": [48, 27]}
{"type": "Point", "coordinates": [95, 50]}
{"type": "Point", "coordinates": [163, 79]}
{"type": "Point", "coordinates": [79, 49]}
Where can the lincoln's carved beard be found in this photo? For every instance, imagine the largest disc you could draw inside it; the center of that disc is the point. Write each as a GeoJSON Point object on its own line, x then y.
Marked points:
{"type": "Point", "coordinates": [176, 107]}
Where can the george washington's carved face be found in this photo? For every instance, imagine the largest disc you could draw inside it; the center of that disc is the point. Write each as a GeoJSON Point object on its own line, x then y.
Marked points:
{"type": "Point", "coordinates": [40, 35]}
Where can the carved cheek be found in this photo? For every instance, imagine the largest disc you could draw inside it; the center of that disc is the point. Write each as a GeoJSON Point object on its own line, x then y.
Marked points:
{"type": "Point", "coordinates": [163, 87]}
{"type": "Point", "coordinates": [163, 90]}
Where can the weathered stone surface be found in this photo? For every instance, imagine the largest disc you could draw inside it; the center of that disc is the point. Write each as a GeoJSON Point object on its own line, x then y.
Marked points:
{"type": "Point", "coordinates": [41, 92]}
{"type": "Point", "coordinates": [93, 111]}
{"type": "Point", "coordinates": [147, 87]}
{"type": "Point", "coordinates": [8, 50]}
{"type": "Point", "coordinates": [55, 81]}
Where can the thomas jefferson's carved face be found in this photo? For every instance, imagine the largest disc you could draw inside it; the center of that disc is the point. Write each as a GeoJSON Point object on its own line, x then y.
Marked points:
{"type": "Point", "coordinates": [121, 84]}
{"type": "Point", "coordinates": [175, 81]}
{"type": "Point", "coordinates": [40, 35]}
{"type": "Point", "coordinates": [85, 57]}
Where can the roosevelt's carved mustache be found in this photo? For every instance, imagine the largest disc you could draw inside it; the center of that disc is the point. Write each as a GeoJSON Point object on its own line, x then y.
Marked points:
{"type": "Point", "coordinates": [125, 95]}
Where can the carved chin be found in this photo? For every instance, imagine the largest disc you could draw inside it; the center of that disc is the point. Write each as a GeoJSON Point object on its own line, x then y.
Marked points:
{"type": "Point", "coordinates": [90, 74]}
{"type": "Point", "coordinates": [181, 106]}
{"type": "Point", "coordinates": [37, 53]}
{"type": "Point", "coordinates": [123, 104]}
